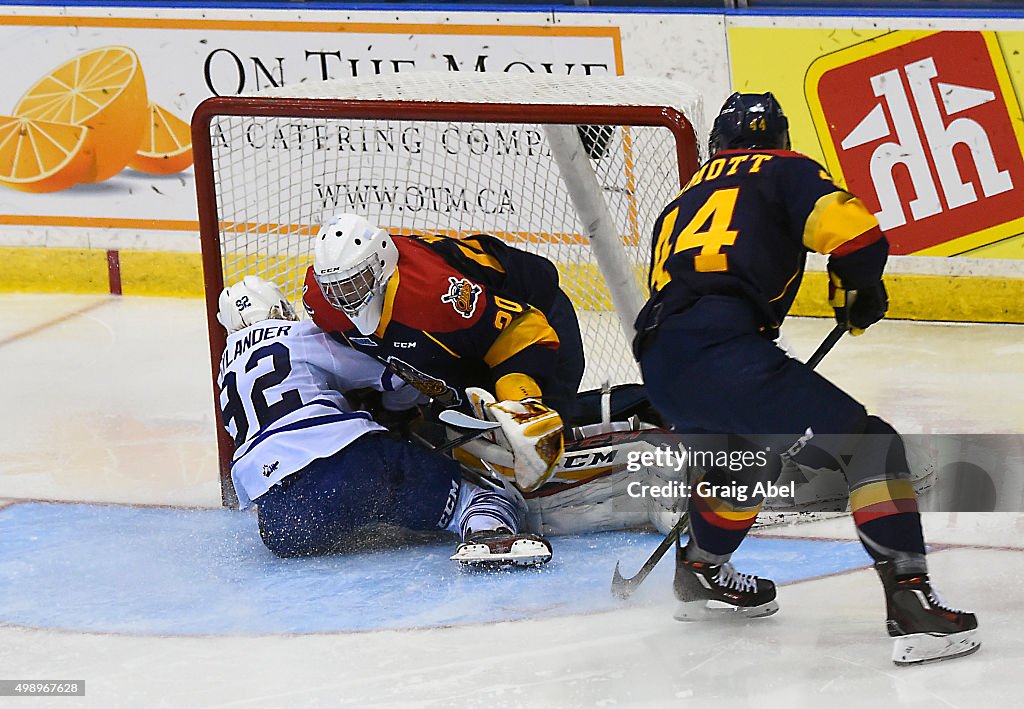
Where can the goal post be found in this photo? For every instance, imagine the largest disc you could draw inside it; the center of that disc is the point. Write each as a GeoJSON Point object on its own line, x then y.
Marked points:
{"type": "Point", "coordinates": [574, 168]}
{"type": "Point", "coordinates": [599, 225]}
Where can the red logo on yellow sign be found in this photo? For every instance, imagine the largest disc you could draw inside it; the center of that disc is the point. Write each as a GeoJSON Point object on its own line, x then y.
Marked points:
{"type": "Point", "coordinates": [926, 129]}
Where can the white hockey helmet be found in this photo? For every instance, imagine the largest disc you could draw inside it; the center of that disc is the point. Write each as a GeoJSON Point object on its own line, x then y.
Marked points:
{"type": "Point", "coordinates": [353, 260]}
{"type": "Point", "coordinates": [251, 300]}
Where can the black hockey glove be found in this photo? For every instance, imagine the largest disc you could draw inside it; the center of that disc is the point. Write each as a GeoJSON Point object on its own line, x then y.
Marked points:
{"type": "Point", "coordinates": [402, 422]}
{"type": "Point", "coordinates": [369, 400]}
{"type": "Point", "coordinates": [858, 309]}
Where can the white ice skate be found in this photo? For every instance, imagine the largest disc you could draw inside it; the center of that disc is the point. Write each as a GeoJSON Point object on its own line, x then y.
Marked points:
{"type": "Point", "coordinates": [496, 548]}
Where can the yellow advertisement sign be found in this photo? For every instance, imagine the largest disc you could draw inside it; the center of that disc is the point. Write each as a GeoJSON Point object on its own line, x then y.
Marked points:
{"type": "Point", "coordinates": [925, 126]}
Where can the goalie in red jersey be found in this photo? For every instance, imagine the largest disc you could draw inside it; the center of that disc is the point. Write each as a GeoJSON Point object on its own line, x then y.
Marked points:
{"type": "Point", "coordinates": [450, 314]}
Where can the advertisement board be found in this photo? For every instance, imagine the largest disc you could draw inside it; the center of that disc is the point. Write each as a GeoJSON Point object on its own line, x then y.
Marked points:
{"type": "Point", "coordinates": [130, 79]}
{"type": "Point", "coordinates": [923, 124]}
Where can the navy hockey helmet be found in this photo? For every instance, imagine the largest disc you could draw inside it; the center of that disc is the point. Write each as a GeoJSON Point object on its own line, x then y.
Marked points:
{"type": "Point", "coordinates": [750, 121]}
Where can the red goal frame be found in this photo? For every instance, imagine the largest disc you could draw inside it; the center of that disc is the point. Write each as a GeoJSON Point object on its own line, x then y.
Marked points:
{"type": "Point", "coordinates": [687, 154]}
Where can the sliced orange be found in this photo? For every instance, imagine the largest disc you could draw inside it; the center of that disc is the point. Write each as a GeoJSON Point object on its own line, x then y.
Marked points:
{"type": "Point", "coordinates": [42, 156]}
{"type": "Point", "coordinates": [166, 144]}
{"type": "Point", "coordinates": [103, 89]}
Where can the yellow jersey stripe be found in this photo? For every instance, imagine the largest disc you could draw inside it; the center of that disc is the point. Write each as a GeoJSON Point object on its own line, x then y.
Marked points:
{"type": "Point", "coordinates": [881, 491]}
{"type": "Point", "coordinates": [480, 257]}
{"type": "Point", "coordinates": [389, 304]}
{"type": "Point", "coordinates": [723, 509]}
{"type": "Point", "coordinates": [530, 328]}
{"type": "Point", "coordinates": [837, 218]}
{"type": "Point", "coordinates": [788, 284]}
{"type": "Point", "coordinates": [441, 345]}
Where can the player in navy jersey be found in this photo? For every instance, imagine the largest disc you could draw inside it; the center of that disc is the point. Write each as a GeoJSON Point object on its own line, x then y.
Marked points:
{"type": "Point", "coordinates": [450, 314]}
{"type": "Point", "coordinates": [727, 260]}
{"type": "Point", "coordinates": [316, 468]}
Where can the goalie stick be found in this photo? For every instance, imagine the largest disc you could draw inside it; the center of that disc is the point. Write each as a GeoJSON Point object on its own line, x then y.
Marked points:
{"type": "Point", "coordinates": [456, 419]}
{"type": "Point", "coordinates": [476, 428]}
{"type": "Point", "coordinates": [623, 587]}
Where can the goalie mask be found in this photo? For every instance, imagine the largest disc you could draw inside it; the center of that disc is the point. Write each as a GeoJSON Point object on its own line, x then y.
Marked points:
{"type": "Point", "coordinates": [750, 121]}
{"type": "Point", "coordinates": [352, 263]}
{"type": "Point", "coordinates": [251, 300]}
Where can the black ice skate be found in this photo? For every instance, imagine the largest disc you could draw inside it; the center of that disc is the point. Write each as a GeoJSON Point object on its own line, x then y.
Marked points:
{"type": "Point", "coordinates": [925, 629]}
{"type": "Point", "coordinates": [497, 548]}
{"type": "Point", "coordinates": [707, 591]}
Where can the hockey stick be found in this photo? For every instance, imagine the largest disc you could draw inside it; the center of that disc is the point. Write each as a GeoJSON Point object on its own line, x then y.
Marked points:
{"type": "Point", "coordinates": [827, 344]}
{"type": "Point", "coordinates": [624, 587]}
{"type": "Point", "coordinates": [475, 428]}
{"type": "Point", "coordinates": [461, 440]}
{"type": "Point", "coordinates": [468, 473]}
{"type": "Point", "coordinates": [456, 418]}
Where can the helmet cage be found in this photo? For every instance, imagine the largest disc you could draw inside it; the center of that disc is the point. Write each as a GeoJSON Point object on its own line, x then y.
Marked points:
{"type": "Point", "coordinates": [353, 260]}
{"type": "Point", "coordinates": [350, 291]}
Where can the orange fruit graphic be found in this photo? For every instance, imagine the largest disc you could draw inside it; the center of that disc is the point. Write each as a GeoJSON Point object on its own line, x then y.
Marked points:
{"type": "Point", "coordinates": [166, 145]}
{"type": "Point", "coordinates": [42, 156]}
{"type": "Point", "coordinates": [102, 89]}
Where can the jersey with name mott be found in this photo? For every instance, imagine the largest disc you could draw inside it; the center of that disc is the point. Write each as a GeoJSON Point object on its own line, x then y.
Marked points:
{"type": "Point", "coordinates": [743, 226]}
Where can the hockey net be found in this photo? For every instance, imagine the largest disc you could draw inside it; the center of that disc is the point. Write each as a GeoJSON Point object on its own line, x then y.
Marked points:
{"type": "Point", "coordinates": [575, 169]}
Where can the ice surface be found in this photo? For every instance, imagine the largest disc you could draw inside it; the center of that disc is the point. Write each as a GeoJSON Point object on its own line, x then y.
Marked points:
{"type": "Point", "coordinates": [205, 572]}
{"type": "Point", "coordinates": [108, 400]}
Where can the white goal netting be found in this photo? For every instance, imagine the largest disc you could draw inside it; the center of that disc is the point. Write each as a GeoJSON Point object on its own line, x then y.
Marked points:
{"type": "Point", "coordinates": [576, 169]}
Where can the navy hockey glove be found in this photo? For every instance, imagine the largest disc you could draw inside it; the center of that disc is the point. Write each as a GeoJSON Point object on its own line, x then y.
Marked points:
{"type": "Point", "coordinates": [857, 309]}
{"type": "Point", "coordinates": [402, 422]}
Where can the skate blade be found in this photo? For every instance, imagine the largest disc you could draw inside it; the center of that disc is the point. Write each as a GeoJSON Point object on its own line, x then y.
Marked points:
{"type": "Point", "coordinates": [524, 552]}
{"type": "Point", "coordinates": [922, 648]}
{"type": "Point", "coordinates": [688, 611]}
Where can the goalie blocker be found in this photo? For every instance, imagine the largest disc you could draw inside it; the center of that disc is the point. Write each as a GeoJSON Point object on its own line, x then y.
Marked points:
{"type": "Point", "coordinates": [529, 443]}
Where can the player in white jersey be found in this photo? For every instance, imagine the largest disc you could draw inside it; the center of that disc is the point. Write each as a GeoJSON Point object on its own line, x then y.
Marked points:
{"type": "Point", "coordinates": [317, 469]}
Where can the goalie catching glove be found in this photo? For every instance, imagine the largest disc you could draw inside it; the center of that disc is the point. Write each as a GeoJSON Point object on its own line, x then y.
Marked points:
{"type": "Point", "coordinates": [529, 443]}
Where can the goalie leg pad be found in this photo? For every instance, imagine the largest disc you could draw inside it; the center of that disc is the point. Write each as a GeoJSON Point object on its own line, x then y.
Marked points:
{"type": "Point", "coordinates": [600, 485]}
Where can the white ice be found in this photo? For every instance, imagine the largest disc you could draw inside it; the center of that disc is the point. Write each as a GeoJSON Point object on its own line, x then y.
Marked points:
{"type": "Point", "coordinates": [109, 400]}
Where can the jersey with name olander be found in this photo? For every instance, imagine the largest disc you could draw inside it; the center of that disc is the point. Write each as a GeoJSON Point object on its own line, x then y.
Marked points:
{"type": "Point", "coordinates": [281, 402]}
